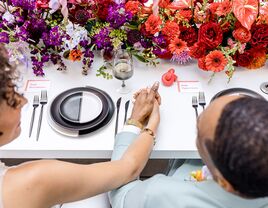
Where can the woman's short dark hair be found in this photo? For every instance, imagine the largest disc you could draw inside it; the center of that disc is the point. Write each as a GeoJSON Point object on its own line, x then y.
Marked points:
{"type": "Point", "coordinates": [240, 147]}
{"type": "Point", "coordinates": [8, 76]}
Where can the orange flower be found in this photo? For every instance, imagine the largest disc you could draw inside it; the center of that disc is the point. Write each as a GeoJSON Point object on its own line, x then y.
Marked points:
{"type": "Point", "coordinates": [163, 3]}
{"type": "Point", "coordinates": [171, 30]}
{"type": "Point", "coordinates": [152, 25]}
{"type": "Point", "coordinates": [133, 7]}
{"type": "Point", "coordinates": [259, 58]}
{"type": "Point", "coordinates": [146, 11]}
{"type": "Point", "coordinates": [185, 15]}
{"type": "Point", "coordinates": [242, 34]}
{"type": "Point", "coordinates": [75, 55]}
{"type": "Point", "coordinates": [202, 64]}
{"type": "Point", "coordinates": [221, 8]}
{"type": "Point", "coordinates": [177, 46]}
{"type": "Point", "coordinates": [263, 17]}
{"type": "Point", "coordinates": [215, 61]}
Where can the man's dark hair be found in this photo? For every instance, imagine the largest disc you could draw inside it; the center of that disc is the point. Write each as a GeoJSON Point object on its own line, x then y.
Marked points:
{"type": "Point", "coordinates": [8, 76]}
{"type": "Point", "coordinates": [240, 146]}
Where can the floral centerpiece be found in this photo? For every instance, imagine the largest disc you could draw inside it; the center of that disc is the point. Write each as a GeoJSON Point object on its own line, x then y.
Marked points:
{"type": "Point", "coordinates": [220, 35]}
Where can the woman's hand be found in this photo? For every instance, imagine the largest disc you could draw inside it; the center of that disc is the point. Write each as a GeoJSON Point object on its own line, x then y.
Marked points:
{"type": "Point", "coordinates": [144, 103]}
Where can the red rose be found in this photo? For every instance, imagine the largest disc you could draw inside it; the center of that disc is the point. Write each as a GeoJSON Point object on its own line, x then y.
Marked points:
{"type": "Point", "coordinates": [198, 50]}
{"type": "Point", "coordinates": [163, 3]}
{"type": "Point", "coordinates": [226, 27]}
{"type": "Point", "coordinates": [42, 4]}
{"type": "Point", "coordinates": [242, 34]}
{"type": "Point", "coordinates": [143, 1]}
{"type": "Point", "coordinates": [103, 6]}
{"type": "Point", "coordinates": [188, 35]}
{"type": "Point", "coordinates": [152, 25]}
{"type": "Point", "coordinates": [210, 34]}
{"type": "Point", "coordinates": [185, 14]}
{"type": "Point", "coordinates": [243, 59]}
{"type": "Point", "coordinates": [259, 35]}
{"type": "Point", "coordinates": [133, 7]}
{"type": "Point", "coordinates": [171, 30]}
{"type": "Point", "coordinates": [81, 16]}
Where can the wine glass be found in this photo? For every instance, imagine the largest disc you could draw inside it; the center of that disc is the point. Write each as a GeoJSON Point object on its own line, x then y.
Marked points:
{"type": "Point", "coordinates": [123, 69]}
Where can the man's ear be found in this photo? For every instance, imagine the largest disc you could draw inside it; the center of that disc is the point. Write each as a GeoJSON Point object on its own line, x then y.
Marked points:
{"type": "Point", "coordinates": [218, 177]}
{"type": "Point", "coordinates": [224, 183]}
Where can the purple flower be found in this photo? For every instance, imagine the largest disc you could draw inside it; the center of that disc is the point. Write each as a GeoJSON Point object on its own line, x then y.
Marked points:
{"type": "Point", "coordinates": [55, 58]}
{"type": "Point", "coordinates": [22, 33]}
{"type": "Point", "coordinates": [160, 41]}
{"type": "Point", "coordinates": [32, 30]}
{"type": "Point", "coordinates": [84, 43]}
{"type": "Point", "coordinates": [53, 37]}
{"type": "Point", "coordinates": [134, 36]}
{"type": "Point", "coordinates": [4, 37]}
{"type": "Point", "coordinates": [102, 40]}
{"type": "Point", "coordinates": [160, 51]}
{"type": "Point", "coordinates": [24, 4]}
{"type": "Point", "coordinates": [117, 15]}
{"type": "Point", "coordinates": [37, 66]}
{"type": "Point", "coordinates": [20, 18]}
{"type": "Point", "coordinates": [45, 58]}
{"type": "Point", "coordinates": [89, 54]}
{"type": "Point", "coordinates": [181, 58]}
{"type": "Point", "coordinates": [146, 43]}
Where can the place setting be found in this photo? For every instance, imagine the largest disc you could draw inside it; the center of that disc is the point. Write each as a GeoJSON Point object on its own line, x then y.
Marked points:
{"type": "Point", "coordinates": [200, 100]}
{"type": "Point", "coordinates": [79, 111]}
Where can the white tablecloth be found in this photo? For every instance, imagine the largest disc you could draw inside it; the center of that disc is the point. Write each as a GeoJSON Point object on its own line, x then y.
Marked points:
{"type": "Point", "coordinates": [177, 132]}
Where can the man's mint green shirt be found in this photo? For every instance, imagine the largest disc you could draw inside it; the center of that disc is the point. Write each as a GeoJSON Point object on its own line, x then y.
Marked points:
{"type": "Point", "coordinates": [174, 191]}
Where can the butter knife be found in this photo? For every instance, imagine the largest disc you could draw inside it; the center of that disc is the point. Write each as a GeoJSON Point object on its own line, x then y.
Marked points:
{"type": "Point", "coordinates": [118, 103]}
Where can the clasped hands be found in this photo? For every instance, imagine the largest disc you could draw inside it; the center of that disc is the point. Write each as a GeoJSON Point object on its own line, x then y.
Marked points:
{"type": "Point", "coordinates": [146, 107]}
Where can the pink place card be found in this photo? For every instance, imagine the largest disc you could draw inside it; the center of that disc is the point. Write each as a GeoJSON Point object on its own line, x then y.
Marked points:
{"type": "Point", "coordinates": [189, 86]}
{"type": "Point", "coordinates": [37, 85]}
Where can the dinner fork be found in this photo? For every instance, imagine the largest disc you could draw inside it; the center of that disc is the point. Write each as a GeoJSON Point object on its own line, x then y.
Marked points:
{"type": "Point", "coordinates": [43, 101]}
{"type": "Point", "coordinates": [195, 105]}
{"type": "Point", "coordinates": [202, 99]}
{"type": "Point", "coordinates": [35, 105]}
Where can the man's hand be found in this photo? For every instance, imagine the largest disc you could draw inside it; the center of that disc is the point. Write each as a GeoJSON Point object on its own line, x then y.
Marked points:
{"type": "Point", "coordinates": [144, 103]}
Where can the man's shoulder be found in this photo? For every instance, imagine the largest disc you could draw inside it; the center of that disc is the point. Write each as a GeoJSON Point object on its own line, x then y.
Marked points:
{"type": "Point", "coordinates": [170, 192]}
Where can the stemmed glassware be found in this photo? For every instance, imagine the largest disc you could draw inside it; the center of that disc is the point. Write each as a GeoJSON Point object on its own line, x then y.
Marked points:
{"type": "Point", "coordinates": [123, 69]}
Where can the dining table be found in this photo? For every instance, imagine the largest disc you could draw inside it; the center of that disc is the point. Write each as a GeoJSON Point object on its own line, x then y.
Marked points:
{"type": "Point", "coordinates": [177, 131]}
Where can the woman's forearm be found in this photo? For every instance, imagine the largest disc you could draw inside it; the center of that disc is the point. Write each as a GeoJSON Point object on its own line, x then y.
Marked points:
{"type": "Point", "coordinates": [138, 154]}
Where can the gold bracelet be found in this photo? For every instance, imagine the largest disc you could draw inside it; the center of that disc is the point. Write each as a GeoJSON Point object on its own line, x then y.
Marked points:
{"type": "Point", "coordinates": [150, 132]}
{"type": "Point", "coordinates": [134, 123]}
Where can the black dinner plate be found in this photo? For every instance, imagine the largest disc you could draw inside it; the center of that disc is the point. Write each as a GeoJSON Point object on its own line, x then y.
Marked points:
{"type": "Point", "coordinates": [238, 91]}
{"type": "Point", "coordinates": [68, 128]}
{"type": "Point", "coordinates": [81, 107]}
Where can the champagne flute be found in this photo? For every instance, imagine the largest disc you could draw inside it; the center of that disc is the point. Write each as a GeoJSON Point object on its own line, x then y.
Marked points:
{"type": "Point", "coordinates": [123, 69]}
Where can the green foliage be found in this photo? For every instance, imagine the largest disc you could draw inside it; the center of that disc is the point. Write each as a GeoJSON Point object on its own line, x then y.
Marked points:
{"type": "Point", "coordinates": [118, 37]}
{"type": "Point", "coordinates": [102, 72]}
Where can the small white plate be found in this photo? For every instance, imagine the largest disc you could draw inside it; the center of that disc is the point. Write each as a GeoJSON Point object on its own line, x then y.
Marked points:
{"type": "Point", "coordinates": [80, 107]}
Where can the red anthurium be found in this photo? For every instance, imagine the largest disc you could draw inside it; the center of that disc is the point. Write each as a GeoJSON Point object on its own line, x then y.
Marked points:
{"type": "Point", "coordinates": [246, 11]}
